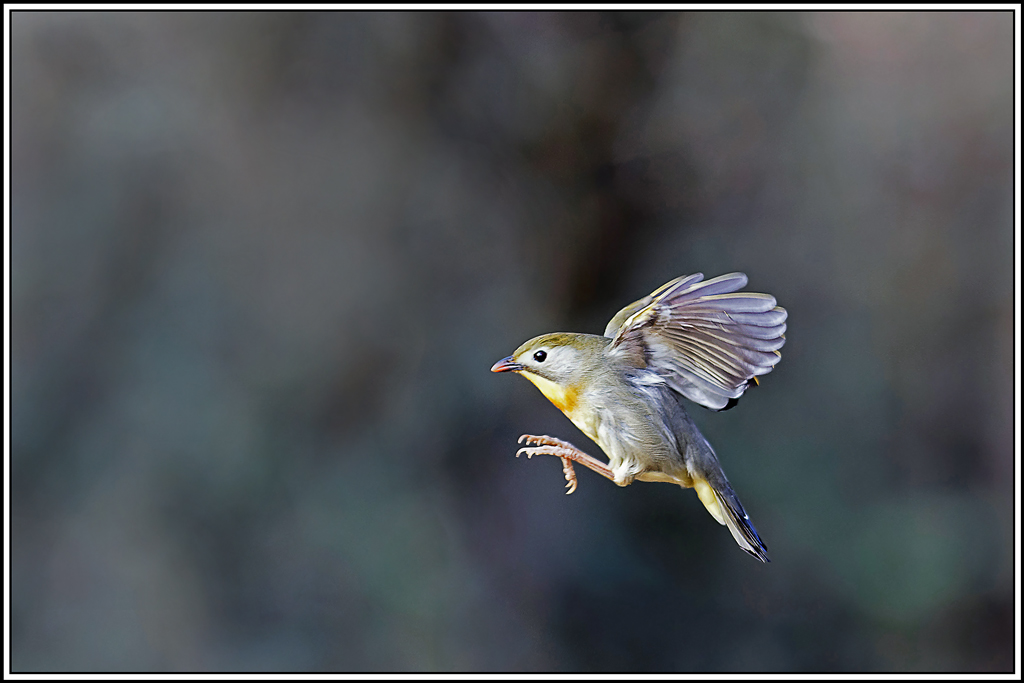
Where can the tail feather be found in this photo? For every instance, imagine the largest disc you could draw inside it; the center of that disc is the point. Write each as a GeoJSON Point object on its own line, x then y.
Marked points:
{"type": "Point", "coordinates": [725, 506]}
{"type": "Point", "coordinates": [739, 525]}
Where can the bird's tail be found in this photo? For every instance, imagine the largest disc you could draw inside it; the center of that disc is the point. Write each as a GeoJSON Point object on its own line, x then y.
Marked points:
{"type": "Point", "coordinates": [724, 505]}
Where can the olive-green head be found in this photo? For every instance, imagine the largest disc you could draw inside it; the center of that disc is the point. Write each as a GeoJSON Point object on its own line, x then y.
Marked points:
{"type": "Point", "coordinates": [563, 358]}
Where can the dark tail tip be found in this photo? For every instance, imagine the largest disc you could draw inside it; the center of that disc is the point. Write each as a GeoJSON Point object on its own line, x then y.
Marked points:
{"type": "Point", "coordinates": [757, 547]}
{"type": "Point", "coordinates": [760, 553]}
{"type": "Point", "coordinates": [740, 527]}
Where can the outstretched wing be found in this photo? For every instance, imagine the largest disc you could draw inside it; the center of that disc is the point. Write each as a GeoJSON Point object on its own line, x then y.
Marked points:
{"type": "Point", "coordinates": [706, 339]}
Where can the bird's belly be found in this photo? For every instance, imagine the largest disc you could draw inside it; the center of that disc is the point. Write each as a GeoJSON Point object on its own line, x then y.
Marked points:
{"type": "Point", "coordinates": [621, 462]}
{"type": "Point", "coordinates": [586, 424]}
{"type": "Point", "coordinates": [637, 448]}
{"type": "Point", "coordinates": [625, 459]}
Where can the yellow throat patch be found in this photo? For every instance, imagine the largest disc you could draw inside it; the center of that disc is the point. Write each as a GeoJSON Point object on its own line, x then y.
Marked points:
{"type": "Point", "coordinates": [564, 399]}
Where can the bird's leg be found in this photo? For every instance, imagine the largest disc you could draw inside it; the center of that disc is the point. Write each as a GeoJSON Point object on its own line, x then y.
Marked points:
{"type": "Point", "coordinates": [567, 470]}
{"type": "Point", "coordinates": [567, 453]}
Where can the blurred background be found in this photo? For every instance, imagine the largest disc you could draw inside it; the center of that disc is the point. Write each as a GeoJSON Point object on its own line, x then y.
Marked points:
{"type": "Point", "coordinates": [262, 263]}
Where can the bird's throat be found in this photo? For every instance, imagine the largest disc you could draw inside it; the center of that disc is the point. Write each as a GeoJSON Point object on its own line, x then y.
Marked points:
{"type": "Point", "coordinates": [565, 399]}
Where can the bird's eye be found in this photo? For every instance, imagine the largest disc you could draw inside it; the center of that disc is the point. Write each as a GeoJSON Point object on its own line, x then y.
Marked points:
{"type": "Point", "coordinates": [540, 356]}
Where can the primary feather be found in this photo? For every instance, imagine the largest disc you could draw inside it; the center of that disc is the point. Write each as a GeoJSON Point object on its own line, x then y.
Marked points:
{"type": "Point", "coordinates": [706, 339]}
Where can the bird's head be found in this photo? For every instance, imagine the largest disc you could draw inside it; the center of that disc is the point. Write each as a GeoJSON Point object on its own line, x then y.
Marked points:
{"type": "Point", "coordinates": [559, 364]}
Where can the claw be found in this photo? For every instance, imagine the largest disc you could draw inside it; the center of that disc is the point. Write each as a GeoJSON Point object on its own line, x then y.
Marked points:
{"type": "Point", "coordinates": [570, 475]}
{"type": "Point", "coordinates": [566, 452]}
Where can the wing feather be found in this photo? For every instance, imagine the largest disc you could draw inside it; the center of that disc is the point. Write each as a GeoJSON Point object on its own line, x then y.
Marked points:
{"type": "Point", "coordinates": [706, 339]}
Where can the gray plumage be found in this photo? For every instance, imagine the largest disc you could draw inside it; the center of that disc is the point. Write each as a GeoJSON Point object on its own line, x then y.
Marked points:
{"type": "Point", "coordinates": [707, 341]}
{"type": "Point", "coordinates": [701, 340]}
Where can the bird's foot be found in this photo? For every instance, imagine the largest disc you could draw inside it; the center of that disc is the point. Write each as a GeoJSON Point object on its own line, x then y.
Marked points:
{"type": "Point", "coordinates": [564, 451]}
{"type": "Point", "coordinates": [551, 446]}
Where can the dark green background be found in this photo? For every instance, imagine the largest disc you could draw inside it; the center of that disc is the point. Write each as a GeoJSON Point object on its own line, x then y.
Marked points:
{"type": "Point", "coordinates": [262, 262]}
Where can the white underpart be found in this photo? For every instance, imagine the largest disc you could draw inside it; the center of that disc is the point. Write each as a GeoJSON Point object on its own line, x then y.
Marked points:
{"type": "Point", "coordinates": [615, 441]}
{"type": "Point", "coordinates": [620, 460]}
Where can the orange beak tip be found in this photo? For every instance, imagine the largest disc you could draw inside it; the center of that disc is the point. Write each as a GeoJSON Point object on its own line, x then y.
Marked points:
{"type": "Point", "coordinates": [506, 365]}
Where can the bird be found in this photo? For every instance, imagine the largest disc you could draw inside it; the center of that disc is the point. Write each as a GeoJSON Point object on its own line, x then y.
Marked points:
{"type": "Point", "coordinates": [694, 338]}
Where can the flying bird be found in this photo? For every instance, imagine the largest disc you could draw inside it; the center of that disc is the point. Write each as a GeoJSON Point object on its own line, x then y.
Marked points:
{"type": "Point", "coordinates": [702, 340]}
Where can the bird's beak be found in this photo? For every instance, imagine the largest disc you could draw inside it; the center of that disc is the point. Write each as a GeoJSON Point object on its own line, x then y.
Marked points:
{"type": "Point", "coordinates": [506, 365]}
